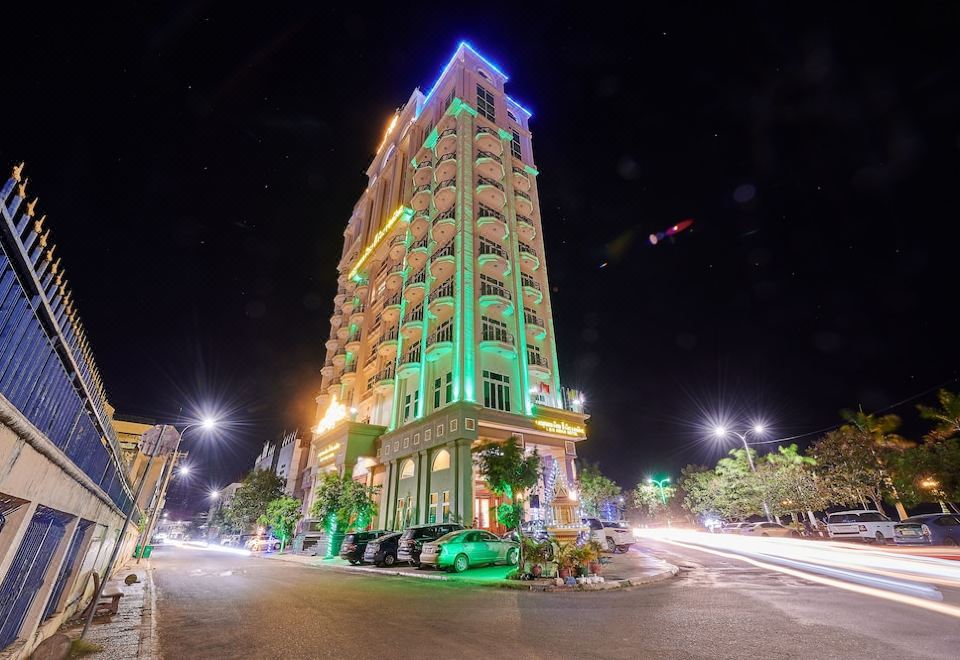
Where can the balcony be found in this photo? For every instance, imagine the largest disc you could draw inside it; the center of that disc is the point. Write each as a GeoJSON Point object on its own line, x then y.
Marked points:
{"type": "Point", "coordinates": [489, 165]}
{"type": "Point", "coordinates": [332, 343]}
{"type": "Point", "coordinates": [337, 318]}
{"type": "Point", "coordinates": [491, 223]}
{"type": "Point", "coordinates": [356, 316]}
{"type": "Point", "coordinates": [340, 297]}
{"type": "Point", "coordinates": [353, 343]}
{"type": "Point", "coordinates": [521, 180]}
{"type": "Point", "coordinates": [446, 166]}
{"type": "Point", "coordinates": [488, 139]}
{"type": "Point", "coordinates": [349, 374]}
{"type": "Point", "coordinates": [383, 380]}
{"type": "Point", "coordinates": [538, 365]}
{"type": "Point", "coordinates": [536, 328]}
{"type": "Point", "coordinates": [446, 142]}
{"type": "Point", "coordinates": [416, 287]}
{"type": "Point", "coordinates": [443, 260]}
{"type": "Point", "coordinates": [532, 292]}
{"type": "Point", "coordinates": [397, 247]}
{"type": "Point", "coordinates": [523, 201]}
{"type": "Point", "coordinates": [339, 358]}
{"type": "Point", "coordinates": [492, 257]}
{"type": "Point", "coordinates": [490, 192]}
{"type": "Point", "coordinates": [421, 197]}
{"type": "Point", "coordinates": [423, 173]}
{"type": "Point", "coordinates": [420, 223]}
{"type": "Point", "coordinates": [387, 346]}
{"type": "Point", "coordinates": [444, 225]}
{"type": "Point", "coordinates": [413, 323]}
{"type": "Point", "coordinates": [496, 339]}
{"type": "Point", "coordinates": [440, 341]}
{"type": "Point", "coordinates": [525, 227]}
{"type": "Point", "coordinates": [395, 277]}
{"type": "Point", "coordinates": [441, 299]}
{"type": "Point", "coordinates": [391, 309]}
{"type": "Point", "coordinates": [417, 254]}
{"type": "Point", "coordinates": [342, 333]}
{"type": "Point", "coordinates": [410, 361]}
{"type": "Point", "coordinates": [528, 256]}
{"type": "Point", "coordinates": [494, 294]}
{"type": "Point", "coordinates": [327, 369]}
{"type": "Point", "coordinates": [445, 194]}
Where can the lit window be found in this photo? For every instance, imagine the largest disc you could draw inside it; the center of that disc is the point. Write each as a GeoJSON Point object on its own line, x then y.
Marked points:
{"type": "Point", "coordinates": [436, 392]}
{"type": "Point", "coordinates": [408, 469]}
{"type": "Point", "coordinates": [449, 392]}
{"type": "Point", "coordinates": [445, 505]}
{"type": "Point", "coordinates": [399, 522]}
{"type": "Point", "coordinates": [485, 103]}
{"type": "Point", "coordinates": [496, 391]}
{"type": "Point", "coordinates": [450, 97]}
{"type": "Point", "coordinates": [434, 500]}
{"type": "Point", "coordinates": [515, 146]}
{"type": "Point", "coordinates": [441, 461]}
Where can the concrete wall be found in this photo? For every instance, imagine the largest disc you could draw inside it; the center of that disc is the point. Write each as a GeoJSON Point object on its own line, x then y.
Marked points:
{"type": "Point", "coordinates": [29, 471]}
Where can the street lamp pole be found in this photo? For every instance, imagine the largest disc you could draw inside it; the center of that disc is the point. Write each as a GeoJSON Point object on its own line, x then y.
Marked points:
{"type": "Point", "coordinates": [721, 432]}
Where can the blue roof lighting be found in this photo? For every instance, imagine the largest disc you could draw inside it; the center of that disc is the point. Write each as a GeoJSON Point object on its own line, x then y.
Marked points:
{"type": "Point", "coordinates": [514, 102]}
{"type": "Point", "coordinates": [464, 44]}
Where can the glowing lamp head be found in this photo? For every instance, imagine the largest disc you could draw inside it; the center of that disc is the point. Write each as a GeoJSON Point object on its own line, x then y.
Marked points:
{"type": "Point", "coordinates": [759, 429]}
{"type": "Point", "coordinates": [184, 471]}
{"type": "Point", "coordinates": [209, 424]}
{"type": "Point", "coordinates": [214, 494]}
{"type": "Point", "coordinates": [720, 431]}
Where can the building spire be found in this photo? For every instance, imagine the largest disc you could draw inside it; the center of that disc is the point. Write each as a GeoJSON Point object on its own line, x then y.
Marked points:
{"type": "Point", "coordinates": [17, 170]}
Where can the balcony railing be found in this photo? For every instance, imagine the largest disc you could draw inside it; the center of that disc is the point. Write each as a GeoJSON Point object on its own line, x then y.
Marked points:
{"type": "Point", "coordinates": [523, 218]}
{"type": "Point", "coordinates": [445, 133]}
{"type": "Point", "coordinates": [396, 240]}
{"type": "Point", "coordinates": [392, 300]}
{"type": "Point", "coordinates": [522, 194]}
{"type": "Point", "coordinates": [444, 290]}
{"type": "Point", "coordinates": [350, 367]}
{"type": "Point", "coordinates": [448, 250]}
{"type": "Point", "coordinates": [413, 355]}
{"type": "Point", "coordinates": [487, 181]}
{"type": "Point", "coordinates": [445, 157]}
{"type": "Point", "coordinates": [537, 360]}
{"type": "Point", "coordinates": [419, 278]}
{"type": "Point", "coordinates": [443, 333]}
{"type": "Point", "coordinates": [354, 337]}
{"type": "Point", "coordinates": [387, 373]}
{"type": "Point", "coordinates": [390, 335]}
{"type": "Point", "coordinates": [425, 163]}
{"type": "Point", "coordinates": [452, 181]}
{"type": "Point", "coordinates": [531, 316]}
{"type": "Point", "coordinates": [529, 249]}
{"type": "Point", "coordinates": [526, 280]}
{"type": "Point", "coordinates": [419, 189]}
{"type": "Point", "coordinates": [489, 131]}
{"type": "Point", "coordinates": [492, 332]}
{"type": "Point", "coordinates": [489, 247]}
{"type": "Point", "coordinates": [489, 154]}
{"type": "Point", "coordinates": [422, 243]}
{"type": "Point", "coordinates": [485, 211]}
{"type": "Point", "coordinates": [415, 314]}
{"type": "Point", "coordinates": [449, 214]}
{"type": "Point", "coordinates": [358, 308]}
{"type": "Point", "coordinates": [519, 170]}
{"type": "Point", "coordinates": [491, 289]}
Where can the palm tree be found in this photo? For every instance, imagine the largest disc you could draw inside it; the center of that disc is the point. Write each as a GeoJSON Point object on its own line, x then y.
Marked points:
{"type": "Point", "coordinates": [882, 432]}
{"type": "Point", "coordinates": [947, 416]}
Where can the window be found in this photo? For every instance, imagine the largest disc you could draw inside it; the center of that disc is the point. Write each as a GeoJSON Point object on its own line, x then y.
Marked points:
{"type": "Point", "coordinates": [441, 461]}
{"type": "Point", "coordinates": [434, 502]}
{"type": "Point", "coordinates": [515, 146]}
{"type": "Point", "coordinates": [406, 407]}
{"type": "Point", "coordinates": [445, 505]}
{"type": "Point", "coordinates": [494, 330]}
{"type": "Point", "coordinates": [408, 469]}
{"type": "Point", "coordinates": [398, 522]}
{"type": "Point", "coordinates": [450, 97]}
{"type": "Point", "coordinates": [496, 391]}
{"type": "Point", "coordinates": [410, 402]}
{"type": "Point", "coordinates": [443, 390]}
{"type": "Point", "coordinates": [449, 388]}
{"type": "Point", "coordinates": [485, 103]}
{"type": "Point", "coordinates": [512, 116]}
{"type": "Point", "coordinates": [436, 392]}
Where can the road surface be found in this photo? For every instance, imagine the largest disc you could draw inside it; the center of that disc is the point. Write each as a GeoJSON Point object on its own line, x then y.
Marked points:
{"type": "Point", "coordinates": [214, 605]}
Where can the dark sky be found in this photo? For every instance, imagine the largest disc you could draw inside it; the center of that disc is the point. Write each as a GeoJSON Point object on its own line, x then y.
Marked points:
{"type": "Point", "coordinates": [198, 162]}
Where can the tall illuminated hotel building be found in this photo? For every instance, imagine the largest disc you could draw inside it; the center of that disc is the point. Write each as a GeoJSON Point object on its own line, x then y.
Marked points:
{"type": "Point", "coordinates": [442, 332]}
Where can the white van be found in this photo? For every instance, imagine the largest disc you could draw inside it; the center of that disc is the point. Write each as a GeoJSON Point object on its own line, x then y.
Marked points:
{"type": "Point", "coordinates": [862, 524]}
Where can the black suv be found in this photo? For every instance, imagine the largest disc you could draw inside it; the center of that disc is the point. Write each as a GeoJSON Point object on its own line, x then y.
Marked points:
{"type": "Point", "coordinates": [355, 543]}
{"type": "Point", "coordinates": [414, 537]}
{"type": "Point", "coordinates": [382, 551]}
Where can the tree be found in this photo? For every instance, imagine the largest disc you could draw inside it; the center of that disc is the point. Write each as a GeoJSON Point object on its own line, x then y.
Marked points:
{"type": "Point", "coordinates": [282, 515]}
{"type": "Point", "coordinates": [652, 502]}
{"type": "Point", "coordinates": [791, 483]}
{"type": "Point", "coordinates": [343, 503]}
{"type": "Point", "coordinates": [882, 432]}
{"type": "Point", "coordinates": [847, 467]}
{"type": "Point", "coordinates": [258, 488]}
{"type": "Point", "coordinates": [929, 472]}
{"type": "Point", "coordinates": [596, 490]}
{"type": "Point", "coordinates": [731, 490]}
{"type": "Point", "coordinates": [508, 471]}
{"type": "Point", "coordinates": [947, 416]}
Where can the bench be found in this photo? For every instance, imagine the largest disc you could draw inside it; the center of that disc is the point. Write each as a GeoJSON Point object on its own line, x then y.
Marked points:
{"type": "Point", "coordinates": [109, 603]}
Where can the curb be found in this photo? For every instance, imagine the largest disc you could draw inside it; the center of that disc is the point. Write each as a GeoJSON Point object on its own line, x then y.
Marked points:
{"type": "Point", "coordinates": [150, 642]}
{"type": "Point", "coordinates": [517, 585]}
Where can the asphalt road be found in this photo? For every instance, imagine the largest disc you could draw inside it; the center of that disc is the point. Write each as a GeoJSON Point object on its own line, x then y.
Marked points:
{"type": "Point", "coordinates": [214, 605]}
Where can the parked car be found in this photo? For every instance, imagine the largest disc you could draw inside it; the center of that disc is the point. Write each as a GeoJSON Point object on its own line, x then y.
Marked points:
{"type": "Point", "coordinates": [355, 544]}
{"type": "Point", "coordinates": [769, 529]}
{"type": "Point", "coordinates": [461, 549]}
{"type": "Point", "coordinates": [413, 538]}
{"type": "Point", "coordinates": [862, 524]}
{"type": "Point", "coordinates": [615, 536]}
{"type": "Point", "coordinates": [734, 528]}
{"type": "Point", "coordinates": [928, 529]}
{"type": "Point", "coordinates": [382, 551]}
{"type": "Point", "coordinates": [266, 544]}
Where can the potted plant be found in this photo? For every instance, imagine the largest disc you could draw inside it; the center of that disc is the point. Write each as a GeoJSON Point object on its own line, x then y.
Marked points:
{"type": "Point", "coordinates": [592, 550]}
{"type": "Point", "coordinates": [536, 555]}
{"type": "Point", "coordinates": [566, 559]}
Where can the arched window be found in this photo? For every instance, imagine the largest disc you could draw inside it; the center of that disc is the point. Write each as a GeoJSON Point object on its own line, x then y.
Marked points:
{"type": "Point", "coordinates": [407, 469]}
{"type": "Point", "coordinates": [441, 461]}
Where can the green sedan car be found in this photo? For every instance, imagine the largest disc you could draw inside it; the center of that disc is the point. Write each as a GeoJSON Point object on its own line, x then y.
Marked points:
{"type": "Point", "coordinates": [457, 551]}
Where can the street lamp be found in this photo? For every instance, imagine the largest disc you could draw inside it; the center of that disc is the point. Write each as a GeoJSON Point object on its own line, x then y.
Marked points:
{"type": "Point", "coordinates": [721, 432]}
{"type": "Point", "coordinates": [660, 484]}
{"type": "Point", "coordinates": [214, 494]}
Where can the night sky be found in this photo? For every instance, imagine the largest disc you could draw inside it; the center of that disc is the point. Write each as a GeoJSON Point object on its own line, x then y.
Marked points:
{"type": "Point", "coordinates": [199, 161]}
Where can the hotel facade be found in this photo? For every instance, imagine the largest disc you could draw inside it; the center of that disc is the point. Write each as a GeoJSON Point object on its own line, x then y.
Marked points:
{"type": "Point", "coordinates": [442, 332]}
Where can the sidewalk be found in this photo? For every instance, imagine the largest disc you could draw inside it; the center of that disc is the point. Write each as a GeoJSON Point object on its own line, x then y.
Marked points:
{"type": "Point", "coordinates": [628, 570]}
{"type": "Point", "coordinates": [132, 633]}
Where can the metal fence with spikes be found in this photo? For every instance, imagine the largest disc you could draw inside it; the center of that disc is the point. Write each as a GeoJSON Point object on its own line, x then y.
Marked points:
{"type": "Point", "coordinates": [47, 370]}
